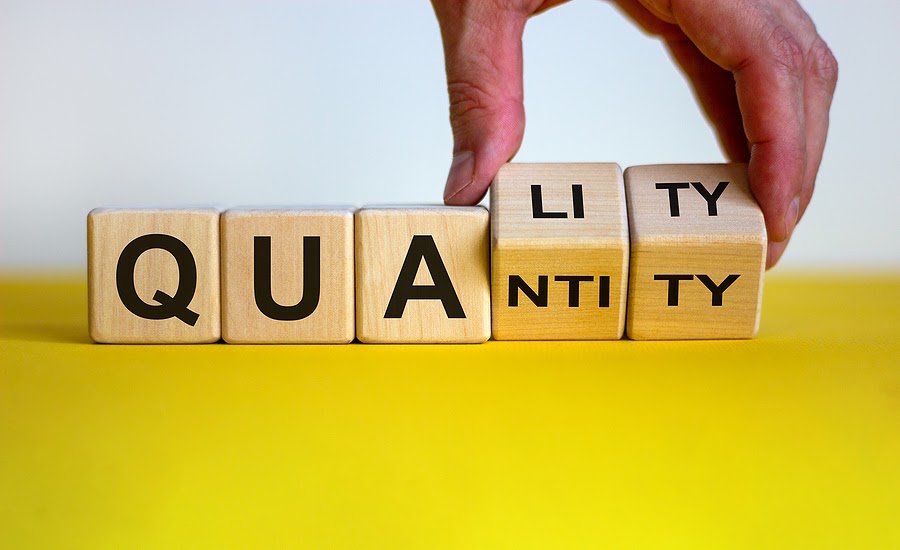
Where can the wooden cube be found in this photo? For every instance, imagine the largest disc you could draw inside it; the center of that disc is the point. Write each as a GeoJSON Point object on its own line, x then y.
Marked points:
{"type": "Point", "coordinates": [698, 252]}
{"type": "Point", "coordinates": [287, 276]}
{"type": "Point", "coordinates": [559, 252]}
{"type": "Point", "coordinates": [422, 275]}
{"type": "Point", "coordinates": [153, 276]}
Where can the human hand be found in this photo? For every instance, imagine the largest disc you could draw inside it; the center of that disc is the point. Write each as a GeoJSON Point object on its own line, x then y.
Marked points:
{"type": "Point", "coordinates": [761, 72]}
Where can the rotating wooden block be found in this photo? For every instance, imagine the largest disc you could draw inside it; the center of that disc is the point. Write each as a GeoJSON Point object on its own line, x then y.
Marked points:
{"type": "Point", "coordinates": [559, 252]}
{"type": "Point", "coordinates": [698, 252]}
{"type": "Point", "coordinates": [422, 275]}
{"type": "Point", "coordinates": [287, 276]}
{"type": "Point", "coordinates": [153, 276]}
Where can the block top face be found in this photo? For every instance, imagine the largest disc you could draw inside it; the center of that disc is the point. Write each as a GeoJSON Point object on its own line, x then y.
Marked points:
{"type": "Point", "coordinates": [540, 205]}
{"type": "Point", "coordinates": [137, 212]}
{"type": "Point", "coordinates": [692, 203]}
{"type": "Point", "coordinates": [138, 221]}
{"type": "Point", "coordinates": [421, 210]}
{"type": "Point", "coordinates": [288, 212]}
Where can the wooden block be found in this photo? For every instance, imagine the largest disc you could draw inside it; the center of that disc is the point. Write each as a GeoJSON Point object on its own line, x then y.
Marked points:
{"type": "Point", "coordinates": [153, 276]}
{"type": "Point", "coordinates": [422, 275]}
{"type": "Point", "coordinates": [559, 252]}
{"type": "Point", "coordinates": [698, 252]}
{"type": "Point", "coordinates": [287, 276]}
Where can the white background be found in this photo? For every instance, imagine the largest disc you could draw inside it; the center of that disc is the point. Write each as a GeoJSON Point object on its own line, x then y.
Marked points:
{"type": "Point", "coordinates": [163, 102]}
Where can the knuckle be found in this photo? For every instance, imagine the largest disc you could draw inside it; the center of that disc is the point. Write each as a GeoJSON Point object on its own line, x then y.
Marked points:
{"type": "Point", "coordinates": [786, 51]}
{"type": "Point", "coordinates": [467, 99]}
{"type": "Point", "coordinates": [477, 110]}
{"type": "Point", "coordinates": [823, 63]}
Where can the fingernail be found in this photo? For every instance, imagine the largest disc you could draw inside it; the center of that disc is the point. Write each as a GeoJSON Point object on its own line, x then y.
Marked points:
{"type": "Point", "coordinates": [793, 214]}
{"type": "Point", "coordinates": [773, 253]}
{"type": "Point", "coordinates": [462, 170]}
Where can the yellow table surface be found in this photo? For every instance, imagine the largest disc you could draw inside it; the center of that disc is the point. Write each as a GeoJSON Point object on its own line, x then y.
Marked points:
{"type": "Point", "coordinates": [789, 440]}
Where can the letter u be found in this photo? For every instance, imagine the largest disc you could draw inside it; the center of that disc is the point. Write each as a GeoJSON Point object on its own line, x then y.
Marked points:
{"type": "Point", "coordinates": [262, 280]}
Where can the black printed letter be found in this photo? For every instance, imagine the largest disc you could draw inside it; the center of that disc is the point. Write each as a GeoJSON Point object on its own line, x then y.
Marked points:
{"type": "Point", "coordinates": [537, 205]}
{"type": "Point", "coordinates": [717, 290]}
{"type": "Point", "coordinates": [673, 285]}
{"type": "Point", "coordinates": [574, 286]}
{"type": "Point", "coordinates": [673, 195]}
{"type": "Point", "coordinates": [262, 280]}
{"type": "Point", "coordinates": [516, 284]}
{"type": "Point", "coordinates": [577, 201]}
{"type": "Point", "coordinates": [169, 306]}
{"type": "Point", "coordinates": [603, 290]}
{"type": "Point", "coordinates": [421, 248]}
{"type": "Point", "coordinates": [711, 199]}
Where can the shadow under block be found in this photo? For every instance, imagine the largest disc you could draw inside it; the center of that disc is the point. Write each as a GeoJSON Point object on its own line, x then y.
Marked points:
{"type": "Point", "coordinates": [559, 252]}
{"type": "Point", "coordinates": [422, 275]}
{"type": "Point", "coordinates": [153, 276]}
{"type": "Point", "coordinates": [287, 276]}
{"type": "Point", "coordinates": [698, 252]}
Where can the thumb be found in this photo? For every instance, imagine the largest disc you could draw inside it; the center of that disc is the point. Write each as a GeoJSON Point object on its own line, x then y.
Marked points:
{"type": "Point", "coordinates": [483, 56]}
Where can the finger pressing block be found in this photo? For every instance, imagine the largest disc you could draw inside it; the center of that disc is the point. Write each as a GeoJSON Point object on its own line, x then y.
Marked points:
{"type": "Point", "coordinates": [698, 252]}
{"type": "Point", "coordinates": [559, 252]}
{"type": "Point", "coordinates": [422, 275]}
{"type": "Point", "coordinates": [153, 276]}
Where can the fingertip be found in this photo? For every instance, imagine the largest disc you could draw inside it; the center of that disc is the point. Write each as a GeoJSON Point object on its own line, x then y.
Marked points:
{"type": "Point", "coordinates": [774, 252]}
{"type": "Point", "coordinates": [460, 176]}
{"type": "Point", "coordinates": [792, 216]}
{"type": "Point", "coordinates": [464, 186]}
{"type": "Point", "coordinates": [780, 219]}
{"type": "Point", "coordinates": [481, 150]}
{"type": "Point", "coordinates": [776, 176]}
{"type": "Point", "coordinates": [468, 195]}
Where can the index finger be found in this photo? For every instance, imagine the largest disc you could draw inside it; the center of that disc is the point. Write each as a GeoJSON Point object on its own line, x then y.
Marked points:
{"type": "Point", "coordinates": [768, 63]}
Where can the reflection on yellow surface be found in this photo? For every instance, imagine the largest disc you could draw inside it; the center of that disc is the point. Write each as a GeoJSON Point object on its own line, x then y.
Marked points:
{"type": "Point", "coordinates": [789, 440]}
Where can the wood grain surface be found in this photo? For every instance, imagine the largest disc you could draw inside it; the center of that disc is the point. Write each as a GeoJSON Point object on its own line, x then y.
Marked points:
{"type": "Point", "coordinates": [572, 231]}
{"type": "Point", "coordinates": [701, 241]}
{"type": "Point", "coordinates": [383, 239]}
{"type": "Point", "coordinates": [109, 232]}
{"type": "Point", "coordinates": [332, 319]}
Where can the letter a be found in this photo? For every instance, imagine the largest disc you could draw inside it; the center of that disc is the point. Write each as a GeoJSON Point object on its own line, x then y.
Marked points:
{"type": "Point", "coordinates": [421, 248]}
